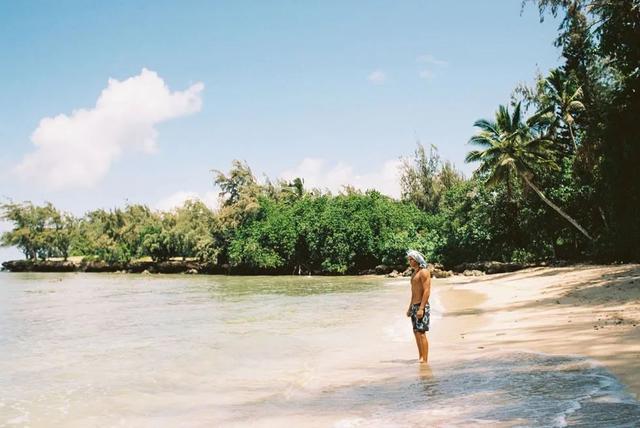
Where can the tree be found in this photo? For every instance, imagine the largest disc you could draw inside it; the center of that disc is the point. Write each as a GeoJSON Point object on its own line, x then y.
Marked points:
{"type": "Point", "coordinates": [38, 231]}
{"type": "Point", "coordinates": [510, 149]}
{"type": "Point", "coordinates": [116, 235]}
{"type": "Point", "coordinates": [424, 178]}
{"type": "Point", "coordinates": [599, 41]}
{"type": "Point", "coordinates": [196, 227]}
{"type": "Point", "coordinates": [238, 184]}
{"type": "Point", "coordinates": [239, 192]}
{"type": "Point", "coordinates": [24, 234]}
{"type": "Point", "coordinates": [558, 100]}
{"type": "Point", "coordinates": [267, 241]}
{"type": "Point", "coordinates": [159, 240]}
{"type": "Point", "coordinates": [64, 229]}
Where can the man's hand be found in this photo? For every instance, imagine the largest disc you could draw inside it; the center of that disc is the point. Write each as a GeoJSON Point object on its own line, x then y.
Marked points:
{"type": "Point", "coordinates": [420, 313]}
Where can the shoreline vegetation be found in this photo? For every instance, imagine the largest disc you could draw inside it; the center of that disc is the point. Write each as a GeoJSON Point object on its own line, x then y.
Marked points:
{"type": "Point", "coordinates": [195, 267]}
{"type": "Point", "coordinates": [557, 178]}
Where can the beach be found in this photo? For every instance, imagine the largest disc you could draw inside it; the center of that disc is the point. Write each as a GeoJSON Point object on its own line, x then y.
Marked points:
{"type": "Point", "coordinates": [586, 310]}
{"type": "Point", "coordinates": [135, 350]}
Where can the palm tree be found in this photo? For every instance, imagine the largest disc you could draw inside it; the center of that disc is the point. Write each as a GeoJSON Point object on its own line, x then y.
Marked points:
{"type": "Point", "coordinates": [513, 148]}
{"type": "Point", "coordinates": [559, 103]}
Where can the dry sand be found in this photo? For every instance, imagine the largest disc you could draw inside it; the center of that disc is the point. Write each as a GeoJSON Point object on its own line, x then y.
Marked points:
{"type": "Point", "coordinates": [586, 310]}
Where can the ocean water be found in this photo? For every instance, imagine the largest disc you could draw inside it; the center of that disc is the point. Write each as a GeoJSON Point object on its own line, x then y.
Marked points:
{"type": "Point", "coordinates": [84, 350]}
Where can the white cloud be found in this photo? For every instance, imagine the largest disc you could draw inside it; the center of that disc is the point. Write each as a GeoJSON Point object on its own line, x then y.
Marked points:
{"type": "Point", "coordinates": [318, 173]}
{"type": "Point", "coordinates": [377, 77]}
{"type": "Point", "coordinates": [430, 59]}
{"type": "Point", "coordinates": [77, 150]}
{"type": "Point", "coordinates": [426, 74]}
{"type": "Point", "coordinates": [177, 199]}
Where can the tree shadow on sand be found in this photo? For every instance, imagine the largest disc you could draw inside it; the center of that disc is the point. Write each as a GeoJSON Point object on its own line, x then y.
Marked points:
{"type": "Point", "coordinates": [621, 287]}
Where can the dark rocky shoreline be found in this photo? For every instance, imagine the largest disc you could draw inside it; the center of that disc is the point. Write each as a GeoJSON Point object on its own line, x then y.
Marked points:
{"type": "Point", "coordinates": [195, 267]}
{"type": "Point", "coordinates": [172, 266]}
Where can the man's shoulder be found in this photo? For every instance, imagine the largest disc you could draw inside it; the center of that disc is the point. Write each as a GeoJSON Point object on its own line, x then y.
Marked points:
{"type": "Point", "coordinates": [425, 273]}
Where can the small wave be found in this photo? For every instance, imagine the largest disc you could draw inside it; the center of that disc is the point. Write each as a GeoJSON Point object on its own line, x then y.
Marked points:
{"type": "Point", "coordinates": [514, 389]}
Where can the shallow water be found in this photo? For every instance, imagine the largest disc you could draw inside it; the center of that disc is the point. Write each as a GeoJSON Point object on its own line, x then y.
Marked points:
{"type": "Point", "coordinates": [131, 350]}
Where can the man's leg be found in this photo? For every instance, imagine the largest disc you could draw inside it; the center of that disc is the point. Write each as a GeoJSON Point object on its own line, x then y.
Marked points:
{"type": "Point", "coordinates": [419, 344]}
{"type": "Point", "coordinates": [424, 346]}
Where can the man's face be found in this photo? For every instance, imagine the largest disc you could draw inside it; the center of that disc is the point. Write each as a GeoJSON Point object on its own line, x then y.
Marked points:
{"type": "Point", "coordinates": [412, 262]}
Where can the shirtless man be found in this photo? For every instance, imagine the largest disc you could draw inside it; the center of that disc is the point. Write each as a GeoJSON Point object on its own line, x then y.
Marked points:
{"type": "Point", "coordinates": [419, 304]}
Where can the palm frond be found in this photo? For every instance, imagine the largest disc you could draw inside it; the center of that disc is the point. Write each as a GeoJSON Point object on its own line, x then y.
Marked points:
{"type": "Point", "coordinates": [473, 156]}
{"type": "Point", "coordinates": [487, 125]}
{"type": "Point", "coordinates": [482, 140]}
{"type": "Point", "coordinates": [516, 119]}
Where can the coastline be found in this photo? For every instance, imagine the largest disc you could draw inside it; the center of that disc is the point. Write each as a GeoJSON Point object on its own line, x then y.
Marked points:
{"type": "Point", "coordinates": [593, 311]}
{"type": "Point", "coordinates": [335, 351]}
{"type": "Point", "coordinates": [194, 266]}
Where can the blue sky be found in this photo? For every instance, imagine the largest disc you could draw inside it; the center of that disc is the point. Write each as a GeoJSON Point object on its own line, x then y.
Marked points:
{"type": "Point", "coordinates": [335, 91]}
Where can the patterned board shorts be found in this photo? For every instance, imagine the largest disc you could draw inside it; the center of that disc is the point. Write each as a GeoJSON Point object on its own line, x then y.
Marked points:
{"type": "Point", "coordinates": [420, 325]}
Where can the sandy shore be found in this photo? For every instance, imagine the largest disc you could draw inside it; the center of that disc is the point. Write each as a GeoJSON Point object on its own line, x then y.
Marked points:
{"type": "Point", "coordinates": [592, 311]}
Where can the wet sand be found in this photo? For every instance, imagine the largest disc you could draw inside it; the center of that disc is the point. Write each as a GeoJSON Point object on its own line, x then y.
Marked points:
{"type": "Point", "coordinates": [593, 311]}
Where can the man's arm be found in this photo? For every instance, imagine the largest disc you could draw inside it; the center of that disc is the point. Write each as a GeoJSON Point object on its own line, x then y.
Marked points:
{"type": "Point", "coordinates": [426, 288]}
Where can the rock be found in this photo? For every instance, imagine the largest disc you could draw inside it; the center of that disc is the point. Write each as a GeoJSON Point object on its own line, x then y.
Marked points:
{"type": "Point", "coordinates": [393, 274]}
{"type": "Point", "coordinates": [367, 272]}
{"type": "Point", "coordinates": [382, 269]}
{"type": "Point", "coordinates": [192, 272]}
{"type": "Point", "coordinates": [407, 272]}
{"type": "Point", "coordinates": [489, 267]}
{"type": "Point", "coordinates": [437, 273]}
{"type": "Point", "coordinates": [39, 266]}
{"type": "Point", "coordinates": [498, 267]}
{"type": "Point", "coordinates": [434, 266]}
{"type": "Point", "coordinates": [473, 272]}
{"type": "Point", "coordinates": [145, 272]}
{"type": "Point", "coordinates": [137, 266]}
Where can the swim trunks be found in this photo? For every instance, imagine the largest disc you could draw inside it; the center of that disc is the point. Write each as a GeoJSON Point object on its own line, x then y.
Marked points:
{"type": "Point", "coordinates": [420, 325]}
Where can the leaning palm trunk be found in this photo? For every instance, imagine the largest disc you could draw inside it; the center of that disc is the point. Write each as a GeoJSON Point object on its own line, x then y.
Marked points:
{"type": "Point", "coordinates": [557, 208]}
{"type": "Point", "coordinates": [573, 139]}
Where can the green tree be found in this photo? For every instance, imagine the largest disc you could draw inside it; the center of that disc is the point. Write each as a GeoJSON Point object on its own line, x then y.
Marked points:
{"type": "Point", "coordinates": [196, 229]}
{"type": "Point", "coordinates": [618, 33]}
{"type": "Point", "coordinates": [599, 41]}
{"type": "Point", "coordinates": [38, 231]}
{"type": "Point", "coordinates": [239, 192]}
{"type": "Point", "coordinates": [267, 241]}
{"type": "Point", "coordinates": [100, 236]}
{"type": "Point", "coordinates": [64, 230]}
{"type": "Point", "coordinates": [159, 239]}
{"type": "Point", "coordinates": [558, 100]}
{"type": "Point", "coordinates": [424, 178]}
{"type": "Point", "coordinates": [510, 150]}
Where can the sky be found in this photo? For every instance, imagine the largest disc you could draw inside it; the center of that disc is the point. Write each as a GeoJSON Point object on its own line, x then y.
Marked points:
{"type": "Point", "coordinates": [109, 103]}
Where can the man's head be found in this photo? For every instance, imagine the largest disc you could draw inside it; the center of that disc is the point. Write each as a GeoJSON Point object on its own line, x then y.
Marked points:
{"type": "Point", "coordinates": [412, 262]}
{"type": "Point", "coordinates": [416, 259]}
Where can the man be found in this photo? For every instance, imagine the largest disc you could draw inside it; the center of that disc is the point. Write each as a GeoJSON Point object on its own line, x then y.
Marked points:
{"type": "Point", "coordinates": [419, 304]}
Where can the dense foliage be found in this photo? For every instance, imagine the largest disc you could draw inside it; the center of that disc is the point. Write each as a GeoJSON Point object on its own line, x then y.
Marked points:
{"type": "Point", "coordinates": [260, 228]}
{"type": "Point", "coordinates": [557, 178]}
